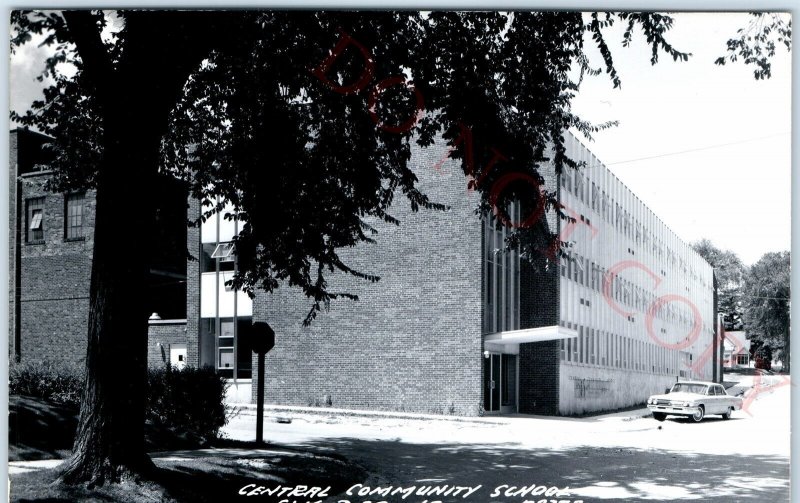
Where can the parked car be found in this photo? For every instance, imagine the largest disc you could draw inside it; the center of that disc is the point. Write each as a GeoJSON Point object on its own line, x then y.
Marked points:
{"type": "Point", "coordinates": [695, 399]}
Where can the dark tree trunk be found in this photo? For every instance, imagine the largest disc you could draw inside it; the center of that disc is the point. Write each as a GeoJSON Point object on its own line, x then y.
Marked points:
{"type": "Point", "coordinates": [109, 445]}
{"type": "Point", "coordinates": [787, 353]}
{"type": "Point", "coordinates": [135, 96]}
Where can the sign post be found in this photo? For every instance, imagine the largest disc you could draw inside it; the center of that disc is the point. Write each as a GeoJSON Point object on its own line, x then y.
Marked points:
{"type": "Point", "coordinates": [263, 339]}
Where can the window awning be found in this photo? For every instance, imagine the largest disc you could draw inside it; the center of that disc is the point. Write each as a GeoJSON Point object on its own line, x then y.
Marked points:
{"type": "Point", "coordinates": [540, 334]}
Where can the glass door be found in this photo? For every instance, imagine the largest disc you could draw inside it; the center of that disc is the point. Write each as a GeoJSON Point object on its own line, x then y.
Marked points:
{"type": "Point", "coordinates": [500, 383]}
{"type": "Point", "coordinates": [508, 383]}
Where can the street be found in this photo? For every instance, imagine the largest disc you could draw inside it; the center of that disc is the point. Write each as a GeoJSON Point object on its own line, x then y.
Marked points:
{"type": "Point", "coordinates": [616, 457]}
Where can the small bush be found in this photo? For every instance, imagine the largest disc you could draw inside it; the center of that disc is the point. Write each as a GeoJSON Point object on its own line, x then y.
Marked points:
{"type": "Point", "coordinates": [59, 383]}
{"type": "Point", "coordinates": [189, 402]}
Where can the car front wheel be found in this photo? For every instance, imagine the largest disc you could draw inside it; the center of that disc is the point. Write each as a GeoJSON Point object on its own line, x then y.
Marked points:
{"type": "Point", "coordinates": [659, 416]}
{"type": "Point", "coordinates": [727, 415]}
{"type": "Point", "coordinates": [698, 415]}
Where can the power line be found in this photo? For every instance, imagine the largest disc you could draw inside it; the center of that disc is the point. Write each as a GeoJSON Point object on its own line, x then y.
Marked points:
{"type": "Point", "coordinates": [697, 149]}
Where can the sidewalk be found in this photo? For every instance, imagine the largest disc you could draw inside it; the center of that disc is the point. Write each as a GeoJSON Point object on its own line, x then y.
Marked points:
{"type": "Point", "coordinates": [282, 413]}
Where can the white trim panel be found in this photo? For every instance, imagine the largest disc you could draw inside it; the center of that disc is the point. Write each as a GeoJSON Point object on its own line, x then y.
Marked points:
{"type": "Point", "coordinates": [540, 334]}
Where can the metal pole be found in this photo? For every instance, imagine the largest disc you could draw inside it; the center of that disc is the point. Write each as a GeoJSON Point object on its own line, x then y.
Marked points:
{"type": "Point", "coordinates": [260, 401]}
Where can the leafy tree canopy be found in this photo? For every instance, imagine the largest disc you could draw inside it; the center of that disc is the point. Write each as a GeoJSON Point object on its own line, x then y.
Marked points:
{"type": "Point", "coordinates": [305, 148]}
{"type": "Point", "coordinates": [729, 271]}
{"type": "Point", "coordinates": [767, 301]}
{"type": "Point", "coordinates": [756, 43]}
{"type": "Point", "coordinates": [303, 122]}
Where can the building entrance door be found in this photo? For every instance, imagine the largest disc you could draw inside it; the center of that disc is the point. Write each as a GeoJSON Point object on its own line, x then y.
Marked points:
{"type": "Point", "coordinates": [500, 383]}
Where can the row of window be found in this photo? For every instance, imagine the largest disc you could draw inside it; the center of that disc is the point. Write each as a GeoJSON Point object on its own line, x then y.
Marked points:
{"type": "Point", "coordinates": [605, 349]}
{"type": "Point", "coordinates": [225, 344]}
{"type": "Point", "coordinates": [591, 275]}
{"type": "Point", "coordinates": [625, 223]}
{"type": "Point", "coordinates": [36, 218]}
{"type": "Point", "coordinates": [501, 277]}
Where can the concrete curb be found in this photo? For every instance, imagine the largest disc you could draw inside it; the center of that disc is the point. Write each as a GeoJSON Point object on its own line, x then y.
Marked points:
{"type": "Point", "coordinates": [285, 414]}
{"type": "Point", "coordinates": [280, 413]}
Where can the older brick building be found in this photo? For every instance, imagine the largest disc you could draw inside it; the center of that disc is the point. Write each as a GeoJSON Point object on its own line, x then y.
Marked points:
{"type": "Point", "coordinates": [50, 257]}
{"type": "Point", "coordinates": [452, 326]}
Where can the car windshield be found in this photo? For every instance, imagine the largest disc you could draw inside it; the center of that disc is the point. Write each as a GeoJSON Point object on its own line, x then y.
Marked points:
{"type": "Point", "coordinates": [699, 389]}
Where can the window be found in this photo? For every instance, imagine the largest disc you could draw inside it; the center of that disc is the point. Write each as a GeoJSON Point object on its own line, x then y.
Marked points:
{"type": "Point", "coordinates": [73, 216]}
{"type": "Point", "coordinates": [224, 252]}
{"type": "Point", "coordinates": [225, 344]}
{"type": "Point", "coordinates": [34, 223]}
{"type": "Point", "coordinates": [579, 190]}
{"type": "Point", "coordinates": [577, 268]}
{"type": "Point", "coordinates": [501, 275]}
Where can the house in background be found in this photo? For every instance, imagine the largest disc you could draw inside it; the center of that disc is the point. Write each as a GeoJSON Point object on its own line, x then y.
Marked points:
{"type": "Point", "coordinates": [454, 326]}
{"type": "Point", "coordinates": [737, 350]}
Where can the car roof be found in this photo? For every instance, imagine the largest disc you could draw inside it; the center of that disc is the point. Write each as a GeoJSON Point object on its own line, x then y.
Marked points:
{"type": "Point", "coordinates": [706, 383]}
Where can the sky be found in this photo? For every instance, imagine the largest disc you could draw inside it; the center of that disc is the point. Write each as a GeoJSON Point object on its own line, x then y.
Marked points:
{"type": "Point", "coordinates": [706, 147]}
{"type": "Point", "coordinates": [733, 186]}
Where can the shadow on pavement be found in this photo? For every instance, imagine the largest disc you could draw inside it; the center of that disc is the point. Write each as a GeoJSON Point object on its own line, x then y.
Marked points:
{"type": "Point", "coordinates": [593, 474]}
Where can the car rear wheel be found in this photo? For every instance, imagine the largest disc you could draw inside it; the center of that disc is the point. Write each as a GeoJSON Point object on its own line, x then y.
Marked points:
{"type": "Point", "coordinates": [659, 416]}
{"type": "Point", "coordinates": [698, 415]}
{"type": "Point", "coordinates": [727, 415]}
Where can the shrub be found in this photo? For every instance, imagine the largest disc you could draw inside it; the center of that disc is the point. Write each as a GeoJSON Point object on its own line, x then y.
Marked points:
{"type": "Point", "coordinates": [59, 383]}
{"type": "Point", "coordinates": [189, 402]}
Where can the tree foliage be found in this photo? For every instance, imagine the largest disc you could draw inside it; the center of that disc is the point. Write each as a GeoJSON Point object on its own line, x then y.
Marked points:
{"type": "Point", "coordinates": [730, 272]}
{"type": "Point", "coordinates": [767, 304]}
{"type": "Point", "coordinates": [304, 123]}
{"type": "Point", "coordinates": [756, 43]}
{"type": "Point", "coordinates": [254, 127]}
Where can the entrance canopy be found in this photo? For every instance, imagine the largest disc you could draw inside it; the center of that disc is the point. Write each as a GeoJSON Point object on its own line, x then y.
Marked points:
{"type": "Point", "coordinates": [540, 334]}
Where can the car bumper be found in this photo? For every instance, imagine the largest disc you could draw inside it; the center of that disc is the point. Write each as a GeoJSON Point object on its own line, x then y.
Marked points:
{"type": "Point", "coordinates": [673, 409]}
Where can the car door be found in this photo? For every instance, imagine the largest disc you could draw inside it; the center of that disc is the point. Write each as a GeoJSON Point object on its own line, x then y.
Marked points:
{"type": "Point", "coordinates": [725, 400]}
{"type": "Point", "coordinates": [712, 400]}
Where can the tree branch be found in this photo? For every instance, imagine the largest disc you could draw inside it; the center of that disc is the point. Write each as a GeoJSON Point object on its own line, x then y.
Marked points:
{"type": "Point", "coordinates": [96, 63]}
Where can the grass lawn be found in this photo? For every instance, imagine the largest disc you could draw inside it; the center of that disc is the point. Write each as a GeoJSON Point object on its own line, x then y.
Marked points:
{"type": "Point", "coordinates": [42, 430]}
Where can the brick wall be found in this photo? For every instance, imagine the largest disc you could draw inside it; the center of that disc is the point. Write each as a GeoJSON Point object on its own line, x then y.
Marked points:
{"type": "Point", "coordinates": [160, 335]}
{"type": "Point", "coordinates": [539, 378]}
{"type": "Point", "coordinates": [54, 280]}
{"type": "Point", "coordinates": [13, 248]}
{"type": "Point", "coordinates": [539, 307]}
{"type": "Point", "coordinates": [413, 340]}
{"type": "Point", "coordinates": [49, 280]}
{"type": "Point", "coordinates": [193, 285]}
{"type": "Point", "coordinates": [25, 153]}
